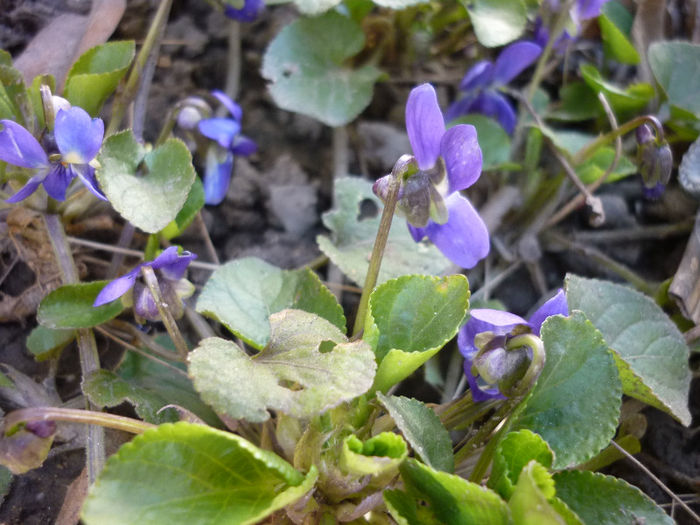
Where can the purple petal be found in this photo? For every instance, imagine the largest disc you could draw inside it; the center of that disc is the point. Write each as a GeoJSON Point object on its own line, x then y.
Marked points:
{"type": "Point", "coordinates": [459, 108]}
{"type": "Point", "coordinates": [144, 304]}
{"type": "Point", "coordinates": [479, 394]}
{"type": "Point", "coordinates": [57, 181]}
{"type": "Point", "coordinates": [26, 190]}
{"type": "Point", "coordinates": [78, 136]}
{"type": "Point", "coordinates": [417, 233]}
{"type": "Point", "coordinates": [19, 148]}
{"type": "Point", "coordinates": [171, 264]}
{"type": "Point", "coordinates": [479, 75]}
{"type": "Point", "coordinates": [233, 108]}
{"type": "Point", "coordinates": [217, 176]}
{"type": "Point", "coordinates": [424, 124]}
{"type": "Point", "coordinates": [587, 9]}
{"type": "Point", "coordinates": [557, 305]}
{"type": "Point", "coordinates": [463, 239]}
{"type": "Point", "coordinates": [248, 13]}
{"type": "Point", "coordinates": [494, 105]}
{"type": "Point", "coordinates": [86, 174]}
{"type": "Point", "coordinates": [462, 155]}
{"type": "Point", "coordinates": [117, 288]}
{"type": "Point", "coordinates": [485, 320]}
{"type": "Point", "coordinates": [166, 258]}
{"type": "Point", "coordinates": [243, 146]}
{"type": "Point", "coordinates": [222, 130]}
{"type": "Point", "coordinates": [513, 60]}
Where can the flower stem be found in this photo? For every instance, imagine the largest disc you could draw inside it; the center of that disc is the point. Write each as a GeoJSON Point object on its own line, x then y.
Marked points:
{"type": "Point", "coordinates": [165, 315]}
{"type": "Point", "coordinates": [72, 415]}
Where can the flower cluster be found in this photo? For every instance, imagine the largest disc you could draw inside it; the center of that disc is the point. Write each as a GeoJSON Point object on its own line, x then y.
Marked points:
{"type": "Point", "coordinates": [486, 362]}
{"type": "Point", "coordinates": [77, 137]}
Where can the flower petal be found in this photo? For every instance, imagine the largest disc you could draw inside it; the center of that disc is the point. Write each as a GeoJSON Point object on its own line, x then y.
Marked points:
{"type": "Point", "coordinates": [479, 394]}
{"type": "Point", "coordinates": [248, 13]}
{"type": "Point", "coordinates": [78, 136]}
{"type": "Point", "coordinates": [19, 147]}
{"type": "Point", "coordinates": [167, 257]}
{"type": "Point", "coordinates": [462, 155]}
{"type": "Point", "coordinates": [494, 105]}
{"type": "Point", "coordinates": [26, 190]}
{"type": "Point", "coordinates": [243, 146]}
{"type": "Point", "coordinates": [459, 108]}
{"type": "Point", "coordinates": [417, 233]}
{"type": "Point", "coordinates": [485, 320]}
{"type": "Point", "coordinates": [57, 181]}
{"type": "Point", "coordinates": [233, 108]}
{"type": "Point", "coordinates": [117, 288]}
{"type": "Point", "coordinates": [513, 60]}
{"type": "Point", "coordinates": [171, 264]}
{"type": "Point", "coordinates": [463, 239]}
{"type": "Point", "coordinates": [479, 75]}
{"type": "Point", "coordinates": [222, 130]}
{"type": "Point", "coordinates": [424, 124]}
{"type": "Point", "coordinates": [587, 9]}
{"type": "Point", "coordinates": [86, 174]}
{"type": "Point", "coordinates": [217, 176]}
{"type": "Point", "coordinates": [557, 305]}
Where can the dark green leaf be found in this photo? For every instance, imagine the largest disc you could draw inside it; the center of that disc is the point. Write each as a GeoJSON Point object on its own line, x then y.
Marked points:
{"type": "Point", "coordinates": [46, 343]}
{"type": "Point", "coordinates": [676, 66]}
{"type": "Point", "coordinates": [631, 99]}
{"type": "Point", "coordinates": [578, 102]}
{"type": "Point", "coordinates": [70, 307]}
{"type": "Point", "coordinates": [615, 25]}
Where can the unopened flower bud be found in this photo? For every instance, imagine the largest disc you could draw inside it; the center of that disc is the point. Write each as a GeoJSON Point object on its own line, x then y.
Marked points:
{"type": "Point", "coordinates": [193, 109]}
{"type": "Point", "coordinates": [498, 366]}
{"type": "Point", "coordinates": [25, 449]}
{"type": "Point", "coordinates": [654, 161]}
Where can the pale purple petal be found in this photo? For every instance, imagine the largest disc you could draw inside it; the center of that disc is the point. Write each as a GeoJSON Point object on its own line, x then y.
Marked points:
{"type": "Point", "coordinates": [485, 320]}
{"type": "Point", "coordinates": [479, 394]}
{"type": "Point", "coordinates": [222, 130]}
{"type": "Point", "coordinates": [78, 136]}
{"type": "Point", "coordinates": [248, 13]}
{"type": "Point", "coordinates": [459, 108]}
{"type": "Point", "coordinates": [166, 258]}
{"type": "Point", "coordinates": [463, 239]}
{"type": "Point", "coordinates": [217, 176]}
{"type": "Point", "coordinates": [171, 264]}
{"type": "Point", "coordinates": [233, 108]}
{"type": "Point", "coordinates": [86, 174]}
{"type": "Point", "coordinates": [117, 288]}
{"type": "Point", "coordinates": [494, 105]}
{"type": "Point", "coordinates": [417, 233]}
{"type": "Point", "coordinates": [243, 146]}
{"type": "Point", "coordinates": [26, 190]}
{"type": "Point", "coordinates": [587, 9]}
{"type": "Point", "coordinates": [425, 125]}
{"type": "Point", "coordinates": [513, 60]}
{"type": "Point", "coordinates": [478, 76]}
{"type": "Point", "coordinates": [462, 155]}
{"type": "Point", "coordinates": [57, 181]}
{"type": "Point", "coordinates": [557, 305]}
{"type": "Point", "coordinates": [19, 147]}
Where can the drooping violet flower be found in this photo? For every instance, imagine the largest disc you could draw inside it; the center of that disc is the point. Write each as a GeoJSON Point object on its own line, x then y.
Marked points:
{"type": "Point", "coordinates": [229, 142]}
{"type": "Point", "coordinates": [248, 12]}
{"type": "Point", "coordinates": [480, 85]}
{"type": "Point", "coordinates": [581, 11]}
{"type": "Point", "coordinates": [447, 161]}
{"type": "Point", "coordinates": [654, 161]}
{"type": "Point", "coordinates": [501, 325]}
{"type": "Point", "coordinates": [171, 268]}
{"type": "Point", "coordinates": [77, 138]}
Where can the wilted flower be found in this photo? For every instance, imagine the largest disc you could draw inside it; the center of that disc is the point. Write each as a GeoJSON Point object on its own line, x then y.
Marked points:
{"type": "Point", "coordinates": [171, 266]}
{"type": "Point", "coordinates": [229, 142]}
{"type": "Point", "coordinates": [244, 10]}
{"type": "Point", "coordinates": [77, 138]}
{"type": "Point", "coordinates": [480, 85]}
{"type": "Point", "coordinates": [654, 161]}
{"type": "Point", "coordinates": [498, 325]}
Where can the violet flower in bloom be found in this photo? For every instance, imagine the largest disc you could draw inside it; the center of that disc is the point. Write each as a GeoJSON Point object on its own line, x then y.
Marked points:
{"type": "Point", "coordinates": [582, 10]}
{"type": "Point", "coordinates": [248, 12]}
{"type": "Point", "coordinates": [78, 139]}
{"type": "Point", "coordinates": [480, 85]}
{"type": "Point", "coordinates": [171, 268]}
{"type": "Point", "coordinates": [229, 142]}
{"type": "Point", "coordinates": [500, 323]}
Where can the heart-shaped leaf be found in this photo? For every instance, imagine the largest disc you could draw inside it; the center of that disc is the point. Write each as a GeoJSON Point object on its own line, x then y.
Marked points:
{"type": "Point", "coordinates": [70, 307]}
{"type": "Point", "coordinates": [497, 22]}
{"type": "Point", "coordinates": [676, 66]}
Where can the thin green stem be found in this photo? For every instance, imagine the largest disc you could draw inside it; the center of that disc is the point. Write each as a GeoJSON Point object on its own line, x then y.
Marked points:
{"type": "Point", "coordinates": [73, 415]}
{"type": "Point", "coordinates": [165, 315]}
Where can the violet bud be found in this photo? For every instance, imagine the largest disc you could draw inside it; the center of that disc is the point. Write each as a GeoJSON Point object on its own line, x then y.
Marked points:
{"type": "Point", "coordinates": [24, 449]}
{"type": "Point", "coordinates": [193, 109]}
{"type": "Point", "coordinates": [501, 367]}
{"type": "Point", "coordinates": [654, 158]}
{"type": "Point", "coordinates": [42, 429]}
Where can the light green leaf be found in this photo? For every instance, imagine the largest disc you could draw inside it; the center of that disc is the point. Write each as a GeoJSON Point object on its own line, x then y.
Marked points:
{"type": "Point", "coordinates": [194, 203]}
{"type": "Point", "coordinates": [14, 99]}
{"type": "Point", "coordinates": [575, 404]}
{"type": "Point", "coordinates": [615, 25]}
{"type": "Point", "coordinates": [631, 99]}
{"type": "Point", "coordinates": [46, 343]}
{"type": "Point", "coordinates": [605, 500]}
{"type": "Point", "coordinates": [676, 66]}
{"type": "Point", "coordinates": [299, 372]}
{"type": "Point", "coordinates": [153, 198]}
{"type": "Point", "coordinates": [181, 472]}
{"type": "Point", "coordinates": [70, 307]}
{"type": "Point", "coordinates": [650, 351]}
{"type": "Point", "coordinates": [594, 168]}
{"type": "Point", "coordinates": [352, 238]}
{"type": "Point", "coordinates": [242, 295]}
{"type": "Point", "coordinates": [497, 22]}
{"type": "Point", "coordinates": [493, 139]}
{"type": "Point", "coordinates": [423, 430]}
{"type": "Point", "coordinates": [379, 455]}
{"type": "Point", "coordinates": [306, 65]}
{"type": "Point", "coordinates": [95, 75]}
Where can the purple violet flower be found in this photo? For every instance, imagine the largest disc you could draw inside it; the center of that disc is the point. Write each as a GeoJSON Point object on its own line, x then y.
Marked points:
{"type": "Point", "coordinates": [500, 323]}
{"type": "Point", "coordinates": [171, 267]}
{"type": "Point", "coordinates": [249, 11]}
{"type": "Point", "coordinates": [480, 85]}
{"type": "Point", "coordinates": [457, 230]}
{"type": "Point", "coordinates": [229, 142]}
{"type": "Point", "coordinates": [582, 10]}
{"type": "Point", "coordinates": [77, 138]}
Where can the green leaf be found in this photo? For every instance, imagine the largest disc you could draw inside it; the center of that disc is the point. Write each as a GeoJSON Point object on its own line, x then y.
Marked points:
{"type": "Point", "coordinates": [379, 455]}
{"type": "Point", "coordinates": [194, 203]}
{"type": "Point", "coordinates": [46, 343]}
{"type": "Point", "coordinates": [575, 404]}
{"type": "Point", "coordinates": [605, 500]}
{"type": "Point", "coordinates": [95, 75]}
{"type": "Point", "coordinates": [631, 99]}
{"type": "Point", "coordinates": [423, 430]}
{"type": "Point", "coordinates": [34, 93]}
{"type": "Point", "coordinates": [410, 319]}
{"type": "Point", "coordinates": [70, 307]}
{"type": "Point", "coordinates": [650, 351]}
{"type": "Point", "coordinates": [150, 200]}
{"type": "Point", "coordinates": [615, 25]}
{"type": "Point", "coordinates": [578, 102]}
{"type": "Point", "coordinates": [182, 472]}
{"type": "Point", "coordinates": [676, 66]}
{"type": "Point", "coordinates": [105, 388]}
{"type": "Point", "coordinates": [306, 65]}
{"type": "Point", "coordinates": [14, 99]}
{"type": "Point", "coordinates": [295, 373]}
{"type": "Point", "coordinates": [352, 238]}
{"type": "Point", "coordinates": [5, 480]}
{"type": "Point", "coordinates": [497, 22]}
{"type": "Point", "coordinates": [493, 139]}
{"type": "Point", "coordinates": [449, 499]}
{"type": "Point", "coordinates": [515, 451]}
{"type": "Point", "coordinates": [243, 293]}
{"type": "Point", "coordinates": [594, 168]}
